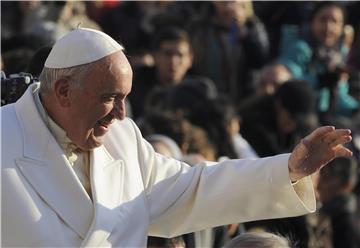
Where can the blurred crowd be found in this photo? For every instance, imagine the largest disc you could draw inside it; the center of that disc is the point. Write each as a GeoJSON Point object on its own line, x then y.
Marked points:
{"type": "Point", "coordinates": [225, 79]}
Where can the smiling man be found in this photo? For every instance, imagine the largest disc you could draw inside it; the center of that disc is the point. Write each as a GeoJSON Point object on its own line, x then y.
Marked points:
{"type": "Point", "coordinates": [77, 172]}
{"type": "Point", "coordinates": [86, 110]}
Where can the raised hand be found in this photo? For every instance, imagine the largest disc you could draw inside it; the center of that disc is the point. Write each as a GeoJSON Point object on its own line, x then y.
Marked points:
{"type": "Point", "coordinates": [317, 149]}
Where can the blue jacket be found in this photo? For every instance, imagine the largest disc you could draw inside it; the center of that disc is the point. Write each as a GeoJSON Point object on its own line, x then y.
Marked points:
{"type": "Point", "coordinates": [297, 55]}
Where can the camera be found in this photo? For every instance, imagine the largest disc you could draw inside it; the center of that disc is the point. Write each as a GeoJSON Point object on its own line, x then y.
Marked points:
{"type": "Point", "coordinates": [14, 86]}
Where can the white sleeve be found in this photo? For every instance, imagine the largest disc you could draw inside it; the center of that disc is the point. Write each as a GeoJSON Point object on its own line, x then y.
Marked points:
{"type": "Point", "coordinates": [184, 199]}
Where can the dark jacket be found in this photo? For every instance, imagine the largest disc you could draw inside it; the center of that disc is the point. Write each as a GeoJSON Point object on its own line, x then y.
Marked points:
{"type": "Point", "coordinates": [259, 127]}
{"type": "Point", "coordinates": [342, 213]}
{"type": "Point", "coordinates": [228, 57]}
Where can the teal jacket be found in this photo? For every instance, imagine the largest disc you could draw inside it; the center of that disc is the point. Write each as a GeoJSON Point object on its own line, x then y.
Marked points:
{"type": "Point", "coordinates": [297, 55]}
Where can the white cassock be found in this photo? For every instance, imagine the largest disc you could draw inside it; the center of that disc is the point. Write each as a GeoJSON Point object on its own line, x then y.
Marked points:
{"type": "Point", "coordinates": [135, 191]}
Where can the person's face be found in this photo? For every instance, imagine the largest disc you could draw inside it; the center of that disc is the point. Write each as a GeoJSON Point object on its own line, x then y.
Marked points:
{"type": "Point", "coordinates": [173, 60]}
{"type": "Point", "coordinates": [285, 123]}
{"type": "Point", "coordinates": [231, 12]}
{"type": "Point", "coordinates": [99, 101]}
{"type": "Point", "coordinates": [327, 25]}
{"type": "Point", "coordinates": [272, 78]}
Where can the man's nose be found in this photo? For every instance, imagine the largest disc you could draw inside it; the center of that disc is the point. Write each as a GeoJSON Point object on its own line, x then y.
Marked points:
{"type": "Point", "coordinates": [119, 110]}
{"type": "Point", "coordinates": [175, 58]}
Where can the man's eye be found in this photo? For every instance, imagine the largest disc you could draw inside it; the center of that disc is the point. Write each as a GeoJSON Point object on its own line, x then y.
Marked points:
{"type": "Point", "coordinates": [109, 98]}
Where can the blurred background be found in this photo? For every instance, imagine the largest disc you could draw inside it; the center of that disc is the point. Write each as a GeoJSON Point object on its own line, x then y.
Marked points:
{"type": "Point", "coordinates": [221, 79]}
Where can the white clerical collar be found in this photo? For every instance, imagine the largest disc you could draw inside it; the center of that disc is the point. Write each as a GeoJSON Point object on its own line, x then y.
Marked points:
{"type": "Point", "coordinates": [78, 159]}
{"type": "Point", "coordinates": [59, 133]}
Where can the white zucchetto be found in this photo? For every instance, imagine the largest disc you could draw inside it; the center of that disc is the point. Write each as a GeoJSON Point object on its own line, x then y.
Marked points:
{"type": "Point", "coordinates": [81, 46]}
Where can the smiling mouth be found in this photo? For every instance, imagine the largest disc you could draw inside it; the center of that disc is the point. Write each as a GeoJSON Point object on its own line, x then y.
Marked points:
{"type": "Point", "coordinates": [106, 122]}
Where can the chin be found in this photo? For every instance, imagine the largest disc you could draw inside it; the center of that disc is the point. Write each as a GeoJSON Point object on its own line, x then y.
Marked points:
{"type": "Point", "coordinates": [91, 144]}
{"type": "Point", "coordinates": [96, 142]}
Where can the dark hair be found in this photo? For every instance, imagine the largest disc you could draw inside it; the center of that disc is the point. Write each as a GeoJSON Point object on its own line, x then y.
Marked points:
{"type": "Point", "coordinates": [342, 168]}
{"type": "Point", "coordinates": [199, 104]}
{"type": "Point", "coordinates": [165, 242]}
{"type": "Point", "coordinates": [165, 123]}
{"type": "Point", "coordinates": [36, 63]}
{"type": "Point", "coordinates": [16, 60]}
{"type": "Point", "coordinates": [169, 34]}
{"type": "Point", "coordinates": [324, 4]}
{"type": "Point", "coordinates": [297, 97]}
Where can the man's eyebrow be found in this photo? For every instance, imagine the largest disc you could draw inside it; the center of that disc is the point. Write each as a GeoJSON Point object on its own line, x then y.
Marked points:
{"type": "Point", "coordinates": [109, 93]}
{"type": "Point", "coordinates": [114, 94]}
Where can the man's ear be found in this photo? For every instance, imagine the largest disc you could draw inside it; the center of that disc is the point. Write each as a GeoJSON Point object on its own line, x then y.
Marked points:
{"type": "Point", "coordinates": [62, 92]}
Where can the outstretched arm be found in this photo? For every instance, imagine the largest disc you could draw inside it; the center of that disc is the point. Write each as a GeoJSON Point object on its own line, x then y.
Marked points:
{"type": "Point", "coordinates": [317, 149]}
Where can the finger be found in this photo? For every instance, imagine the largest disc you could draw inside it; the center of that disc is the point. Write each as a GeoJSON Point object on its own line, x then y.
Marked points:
{"type": "Point", "coordinates": [343, 152]}
{"type": "Point", "coordinates": [340, 141]}
{"type": "Point", "coordinates": [338, 133]}
{"type": "Point", "coordinates": [319, 133]}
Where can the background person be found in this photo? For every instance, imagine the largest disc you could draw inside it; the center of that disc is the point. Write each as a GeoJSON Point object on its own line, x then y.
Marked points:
{"type": "Point", "coordinates": [317, 54]}
{"type": "Point", "coordinates": [335, 225]}
{"type": "Point", "coordinates": [274, 123]}
{"type": "Point", "coordinates": [258, 239]}
{"type": "Point", "coordinates": [173, 57]}
{"type": "Point", "coordinates": [230, 44]}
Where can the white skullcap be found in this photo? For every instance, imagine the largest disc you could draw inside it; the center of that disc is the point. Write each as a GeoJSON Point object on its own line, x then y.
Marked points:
{"type": "Point", "coordinates": [81, 46]}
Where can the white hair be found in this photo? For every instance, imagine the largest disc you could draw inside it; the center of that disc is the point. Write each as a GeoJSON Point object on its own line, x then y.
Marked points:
{"type": "Point", "coordinates": [167, 141]}
{"type": "Point", "coordinates": [75, 74]}
{"type": "Point", "coordinates": [258, 239]}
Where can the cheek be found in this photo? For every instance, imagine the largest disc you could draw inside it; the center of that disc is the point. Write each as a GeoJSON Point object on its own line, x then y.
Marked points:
{"type": "Point", "coordinates": [184, 65]}
{"type": "Point", "coordinates": [104, 110]}
{"type": "Point", "coordinates": [317, 27]}
{"type": "Point", "coordinates": [337, 31]}
{"type": "Point", "coordinates": [187, 62]}
{"type": "Point", "coordinates": [241, 12]}
{"type": "Point", "coordinates": [97, 113]}
{"type": "Point", "coordinates": [317, 31]}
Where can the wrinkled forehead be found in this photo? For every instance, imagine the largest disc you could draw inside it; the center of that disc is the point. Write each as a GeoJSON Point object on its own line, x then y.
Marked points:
{"type": "Point", "coordinates": [112, 71]}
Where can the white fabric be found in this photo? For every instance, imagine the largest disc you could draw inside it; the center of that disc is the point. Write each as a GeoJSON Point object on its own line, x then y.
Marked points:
{"type": "Point", "coordinates": [242, 147]}
{"type": "Point", "coordinates": [81, 46]}
{"type": "Point", "coordinates": [135, 191]}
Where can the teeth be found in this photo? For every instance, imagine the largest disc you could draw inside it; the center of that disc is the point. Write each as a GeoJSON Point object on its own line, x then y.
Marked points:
{"type": "Point", "coordinates": [103, 123]}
